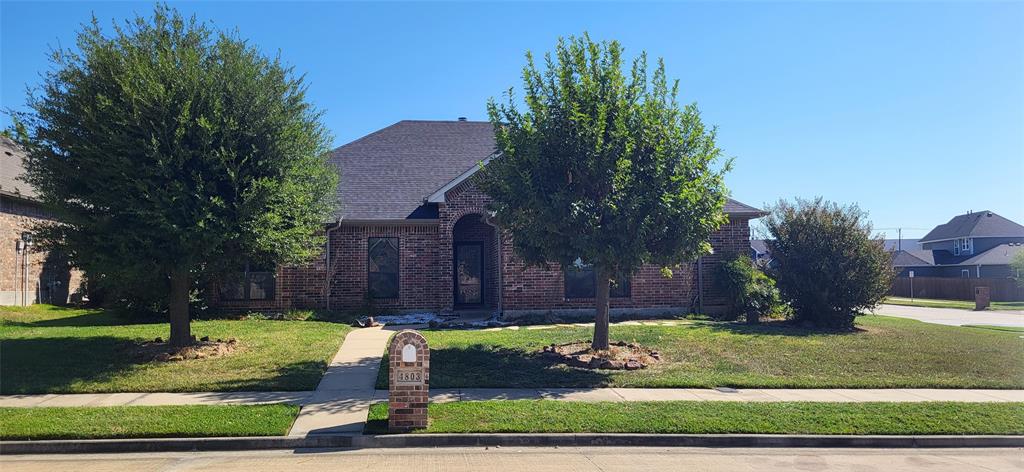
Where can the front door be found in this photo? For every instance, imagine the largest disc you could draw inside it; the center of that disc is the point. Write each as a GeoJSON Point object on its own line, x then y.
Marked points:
{"type": "Point", "coordinates": [469, 274]}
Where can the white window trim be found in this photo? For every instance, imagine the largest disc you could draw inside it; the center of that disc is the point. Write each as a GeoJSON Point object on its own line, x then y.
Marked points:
{"type": "Point", "coordinates": [965, 273]}
{"type": "Point", "coordinates": [956, 247]}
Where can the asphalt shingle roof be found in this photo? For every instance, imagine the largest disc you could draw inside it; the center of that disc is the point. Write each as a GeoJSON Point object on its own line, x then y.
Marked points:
{"type": "Point", "coordinates": [12, 167]}
{"type": "Point", "coordinates": [999, 255]}
{"type": "Point", "coordinates": [979, 224]}
{"type": "Point", "coordinates": [386, 174]}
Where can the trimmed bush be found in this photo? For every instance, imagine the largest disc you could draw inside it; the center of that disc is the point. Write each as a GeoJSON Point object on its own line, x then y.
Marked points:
{"type": "Point", "coordinates": [751, 292]}
{"type": "Point", "coordinates": [825, 262]}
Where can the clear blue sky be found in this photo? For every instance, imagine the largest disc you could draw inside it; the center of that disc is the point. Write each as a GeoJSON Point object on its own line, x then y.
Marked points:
{"type": "Point", "coordinates": [915, 111]}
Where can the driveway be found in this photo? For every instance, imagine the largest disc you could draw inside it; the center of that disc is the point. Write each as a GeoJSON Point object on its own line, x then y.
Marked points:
{"type": "Point", "coordinates": [955, 317]}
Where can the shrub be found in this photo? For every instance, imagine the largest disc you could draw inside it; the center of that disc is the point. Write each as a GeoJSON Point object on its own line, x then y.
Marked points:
{"type": "Point", "coordinates": [1017, 267]}
{"type": "Point", "coordinates": [751, 291]}
{"type": "Point", "coordinates": [825, 262]}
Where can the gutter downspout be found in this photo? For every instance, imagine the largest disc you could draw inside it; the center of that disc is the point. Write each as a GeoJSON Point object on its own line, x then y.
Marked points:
{"type": "Point", "coordinates": [328, 273]}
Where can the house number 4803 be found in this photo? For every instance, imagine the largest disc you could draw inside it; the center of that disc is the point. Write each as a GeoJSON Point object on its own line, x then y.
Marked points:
{"type": "Point", "coordinates": [409, 376]}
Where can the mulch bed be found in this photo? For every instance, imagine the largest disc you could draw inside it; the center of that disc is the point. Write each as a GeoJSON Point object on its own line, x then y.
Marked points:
{"type": "Point", "coordinates": [619, 356]}
{"type": "Point", "coordinates": [160, 351]}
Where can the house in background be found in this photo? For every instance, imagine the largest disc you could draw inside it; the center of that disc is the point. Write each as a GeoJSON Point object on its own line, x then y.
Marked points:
{"type": "Point", "coordinates": [27, 275]}
{"type": "Point", "coordinates": [973, 245]}
{"type": "Point", "coordinates": [414, 235]}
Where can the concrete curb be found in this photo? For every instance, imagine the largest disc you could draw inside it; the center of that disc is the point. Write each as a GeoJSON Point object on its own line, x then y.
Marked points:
{"type": "Point", "coordinates": [89, 446]}
{"type": "Point", "coordinates": [681, 440]}
{"type": "Point", "coordinates": [504, 440]}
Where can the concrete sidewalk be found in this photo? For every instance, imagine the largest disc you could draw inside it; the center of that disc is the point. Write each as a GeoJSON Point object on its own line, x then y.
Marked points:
{"type": "Point", "coordinates": [345, 407]}
{"type": "Point", "coordinates": [840, 395]}
{"type": "Point", "coordinates": [342, 400]}
{"type": "Point", "coordinates": [954, 316]}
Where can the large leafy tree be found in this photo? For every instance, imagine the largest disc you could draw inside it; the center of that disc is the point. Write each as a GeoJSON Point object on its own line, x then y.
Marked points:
{"type": "Point", "coordinates": [169, 150]}
{"type": "Point", "coordinates": [605, 167]}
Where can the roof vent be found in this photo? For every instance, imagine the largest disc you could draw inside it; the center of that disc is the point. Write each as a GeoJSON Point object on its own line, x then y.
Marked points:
{"type": "Point", "coordinates": [462, 118]}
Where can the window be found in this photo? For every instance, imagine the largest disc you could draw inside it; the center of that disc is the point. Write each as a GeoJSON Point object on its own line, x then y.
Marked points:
{"type": "Point", "coordinates": [963, 246]}
{"type": "Point", "coordinates": [965, 274]}
{"type": "Point", "coordinates": [382, 267]}
{"type": "Point", "coordinates": [253, 282]}
{"type": "Point", "coordinates": [581, 282]}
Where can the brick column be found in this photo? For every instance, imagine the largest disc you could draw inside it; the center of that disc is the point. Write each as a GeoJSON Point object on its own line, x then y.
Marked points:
{"type": "Point", "coordinates": [408, 382]}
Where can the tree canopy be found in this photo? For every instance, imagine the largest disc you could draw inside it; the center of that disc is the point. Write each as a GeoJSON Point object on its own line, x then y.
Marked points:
{"type": "Point", "coordinates": [168, 151]}
{"type": "Point", "coordinates": [825, 262]}
{"type": "Point", "coordinates": [604, 167]}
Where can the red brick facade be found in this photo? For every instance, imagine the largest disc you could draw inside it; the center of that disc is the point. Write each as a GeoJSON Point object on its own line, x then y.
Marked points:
{"type": "Point", "coordinates": [426, 269]}
{"type": "Point", "coordinates": [30, 276]}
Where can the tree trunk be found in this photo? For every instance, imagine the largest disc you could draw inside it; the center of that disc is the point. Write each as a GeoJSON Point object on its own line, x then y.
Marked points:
{"type": "Point", "coordinates": [181, 334]}
{"type": "Point", "coordinates": [601, 320]}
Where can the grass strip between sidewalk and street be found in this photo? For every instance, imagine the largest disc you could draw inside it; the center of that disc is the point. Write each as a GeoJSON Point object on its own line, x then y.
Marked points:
{"type": "Point", "coordinates": [689, 417]}
{"type": "Point", "coordinates": [959, 304]}
{"type": "Point", "coordinates": [178, 421]}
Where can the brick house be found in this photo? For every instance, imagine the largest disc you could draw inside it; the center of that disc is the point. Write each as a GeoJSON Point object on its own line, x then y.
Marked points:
{"type": "Point", "coordinates": [413, 236]}
{"type": "Point", "coordinates": [27, 275]}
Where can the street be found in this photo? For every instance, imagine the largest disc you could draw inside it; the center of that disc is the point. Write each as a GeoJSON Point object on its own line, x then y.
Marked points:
{"type": "Point", "coordinates": [955, 317]}
{"type": "Point", "coordinates": [605, 459]}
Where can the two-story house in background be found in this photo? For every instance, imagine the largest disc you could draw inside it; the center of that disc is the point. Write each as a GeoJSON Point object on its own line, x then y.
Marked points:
{"type": "Point", "coordinates": [973, 245]}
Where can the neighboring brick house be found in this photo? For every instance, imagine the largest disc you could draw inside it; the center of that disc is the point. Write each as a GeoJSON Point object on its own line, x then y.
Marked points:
{"type": "Point", "coordinates": [977, 244]}
{"type": "Point", "coordinates": [27, 275]}
{"type": "Point", "coordinates": [413, 235]}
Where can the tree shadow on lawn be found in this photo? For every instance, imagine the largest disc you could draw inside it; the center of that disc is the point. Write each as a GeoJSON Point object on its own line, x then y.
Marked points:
{"type": "Point", "coordinates": [53, 365]}
{"type": "Point", "coordinates": [43, 365]}
{"type": "Point", "coordinates": [294, 377]}
{"type": "Point", "coordinates": [97, 317]}
{"type": "Point", "coordinates": [483, 366]}
{"type": "Point", "coordinates": [777, 328]}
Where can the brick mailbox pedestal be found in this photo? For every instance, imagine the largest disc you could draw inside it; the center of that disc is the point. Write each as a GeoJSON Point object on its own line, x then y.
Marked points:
{"type": "Point", "coordinates": [408, 382]}
{"type": "Point", "coordinates": [981, 298]}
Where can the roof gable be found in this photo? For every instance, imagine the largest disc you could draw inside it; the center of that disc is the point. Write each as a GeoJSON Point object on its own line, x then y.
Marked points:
{"type": "Point", "coordinates": [980, 224]}
{"type": "Point", "coordinates": [387, 174]}
{"type": "Point", "coordinates": [400, 171]}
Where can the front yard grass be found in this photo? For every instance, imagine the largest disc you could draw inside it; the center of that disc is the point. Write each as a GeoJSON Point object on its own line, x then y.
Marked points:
{"type": "Point", "coordinates": [47, 349]}
{"type": "Point", "coordinates": [886, 352]}
{"type": "Point", "coordinates": [145, 421]}
{"type": "Point", "coordinates": [961, 304]}
{"type": "Point", "coordinates": [688, 417]}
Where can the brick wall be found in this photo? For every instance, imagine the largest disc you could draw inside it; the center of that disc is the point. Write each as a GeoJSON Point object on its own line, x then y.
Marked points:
{"type": "Point", "coordinates": [426, 269]}
{"type": "Point", "coordinates": [419, 253]}
{"type": "Point", "coordinates": [49, 278]}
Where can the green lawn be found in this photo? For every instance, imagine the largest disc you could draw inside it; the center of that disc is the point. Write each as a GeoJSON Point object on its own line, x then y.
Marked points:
{"type": "Point", "coordinates": [683, 417]}
{"type": "Point", "coordinates": [886, 353]}
{"type": "Point", "coordinates": [961, 304]}
{"type": "Point", "coordinates": [48, 349]}
{"type": "Point", "coordinates": [146, 421]}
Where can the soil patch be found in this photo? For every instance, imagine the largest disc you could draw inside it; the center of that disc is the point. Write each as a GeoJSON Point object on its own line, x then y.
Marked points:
{"type": "Point", "coordinates": [619, 356]}
{"type": "Point", "coordinates": [160, 351]}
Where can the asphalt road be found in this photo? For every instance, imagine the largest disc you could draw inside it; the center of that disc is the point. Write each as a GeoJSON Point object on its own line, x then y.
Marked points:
{"type": "Point", "coordinates": [605, 459]}
{"type": "Point", "coordinates": [955, 317]}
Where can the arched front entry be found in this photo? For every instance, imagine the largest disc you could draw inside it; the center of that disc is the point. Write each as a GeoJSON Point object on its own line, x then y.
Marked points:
{"type": "Point", "coordinates": [474, 264]}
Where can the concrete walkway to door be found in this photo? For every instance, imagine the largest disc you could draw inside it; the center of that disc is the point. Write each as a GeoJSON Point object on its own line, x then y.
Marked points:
{"type": "Point", "coordinates": [342, 400]}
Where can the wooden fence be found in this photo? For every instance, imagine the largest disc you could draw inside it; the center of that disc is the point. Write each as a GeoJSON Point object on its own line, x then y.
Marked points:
{"type": "Point", "coordinates": [1000, 290]}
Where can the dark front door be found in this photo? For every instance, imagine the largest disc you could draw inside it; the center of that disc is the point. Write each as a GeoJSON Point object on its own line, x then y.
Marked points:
{"type": "Point", "coordinates": [469, 274]}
